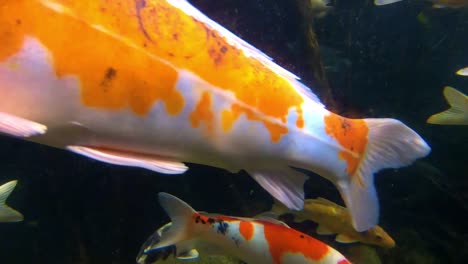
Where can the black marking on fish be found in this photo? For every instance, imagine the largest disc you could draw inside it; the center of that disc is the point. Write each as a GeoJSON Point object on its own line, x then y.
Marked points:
{"type": "Point", "coordinates": [140, 4]}
{"type": "Point", "coordinates": [109, 75]}
{"type": "Point", "coordinates": [222, 227]}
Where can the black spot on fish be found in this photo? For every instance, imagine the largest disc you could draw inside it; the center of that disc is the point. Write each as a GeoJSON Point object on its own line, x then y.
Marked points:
{"type": "Point", "coordinates": [211, 220]}
{"type": "Point", "coordinates": [140, 4]}
{"type": "Point", "coordinates": [302, 236]}
{"type": "Point", "coordinates": [222, 227]}
{"type": "Point", "coordinates": [109, 75]}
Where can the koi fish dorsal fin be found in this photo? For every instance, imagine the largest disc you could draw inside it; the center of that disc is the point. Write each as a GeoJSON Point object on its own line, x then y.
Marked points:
{"type": "Point", "coordinates": [247, 48]}
{"type": "Point", "coordinates": [457, 114]}
{"type": "Point", "coordinates": [8, 214]}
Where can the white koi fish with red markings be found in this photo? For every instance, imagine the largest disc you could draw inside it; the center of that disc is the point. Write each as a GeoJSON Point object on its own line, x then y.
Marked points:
{"type": "Point", "coordinates": [251, 240]}
{"type": "Point", "coordinates": [153, 84]}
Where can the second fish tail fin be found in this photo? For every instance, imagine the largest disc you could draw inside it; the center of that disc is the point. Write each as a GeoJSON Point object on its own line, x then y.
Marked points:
{"type": "Point", "coordinates": [390, 144]}
{"type": "Point", "coordinates": [457, 114]}
{"type": "Point", "coordinates": [8, 214]}
{"type": "Point", "coordinates": [181, 215]}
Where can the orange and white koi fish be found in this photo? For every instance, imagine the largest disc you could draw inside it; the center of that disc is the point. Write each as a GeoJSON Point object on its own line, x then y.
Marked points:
{"type": "Point", "coordinates": [250, 240]}
{"type": "Point", "coordinates": [335, 219]}
{"type": "Point", "coordinates": [457, 114]}
{"type": "Point", "coordinates": [153, 84]}
{"type": "Point", "coordinates": [8, 214]}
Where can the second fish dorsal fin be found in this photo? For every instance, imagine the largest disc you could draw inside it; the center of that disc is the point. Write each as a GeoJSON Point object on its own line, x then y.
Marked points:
{"type": "Point", "coordinates": [132, 159]}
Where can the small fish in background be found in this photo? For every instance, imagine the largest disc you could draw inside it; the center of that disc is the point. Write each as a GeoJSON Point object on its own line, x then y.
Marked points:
{"type": "Point", "coordinates": [335, 219]}
{"type": "Point", "coordinates": [463, 72]}
{"type": "Point", "coordinates": [8, 214]}
{"type": "Point", "coordinates": [253, 241]}
{"type": "Point", "coordinates": [436, 3]}
{"type": "Point", "coordinates": [457, 114]}
{"type": "Point", "coordinates": [318, 8]}
{"type": "Point", "coordinates": [167, 255]}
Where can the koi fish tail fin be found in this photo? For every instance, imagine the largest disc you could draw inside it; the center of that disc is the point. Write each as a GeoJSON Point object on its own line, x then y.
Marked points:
{"type": "Point", "coordinates": [457, 114]}
{"type": "Point", "coordinates": [390, 144]}
{"type": "Point", "coordinates": [180, 213]}
{"type": "Point", "coordinates": [8, 214]}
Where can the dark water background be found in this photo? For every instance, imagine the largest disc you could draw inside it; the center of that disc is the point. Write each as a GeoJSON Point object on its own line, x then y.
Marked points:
{"type": "Point", "coordinates": [389, 65]}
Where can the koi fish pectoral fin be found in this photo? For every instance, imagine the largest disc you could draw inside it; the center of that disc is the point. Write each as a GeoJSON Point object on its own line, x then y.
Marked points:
{"type": "Point", "coordinates": [391, 144]}
{"type": "Point", "coordinates": [185, 251]}
{"type": "Point", "coordinates": [284, 184]}
{"type": "Point", "coordinates": [150, 162]}
{"type": "Point", "coordinates": [20, 127]}
{"type": "Point", "coordinates": [342, 238]}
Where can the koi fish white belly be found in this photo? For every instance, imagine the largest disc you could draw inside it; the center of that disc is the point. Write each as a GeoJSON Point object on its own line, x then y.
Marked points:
{"type": "Point", "coordinates": [31, 90]}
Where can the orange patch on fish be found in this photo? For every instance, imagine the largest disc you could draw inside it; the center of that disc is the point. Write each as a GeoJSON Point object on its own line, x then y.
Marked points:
{"type": "Point", "coordinates": [230, 116]}
{"type": "Point", "coordinates": [246, 229]}
{"type": "Point", "coordinates": [168, 33]}
{"type": "Point", "coordinates": [351, 134]}
{"type": "Point", "coordinates": [112, 74]}
{"type": "Point", "coordinates": [203, 112]}
{"type": "Point", "coordinates": [300, 118]}
{"type": "Point", "coordinates": [283, 240]}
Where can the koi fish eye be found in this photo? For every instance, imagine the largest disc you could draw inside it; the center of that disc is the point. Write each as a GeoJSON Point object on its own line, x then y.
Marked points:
{"type": "Point", "coordinates": [379, 238]}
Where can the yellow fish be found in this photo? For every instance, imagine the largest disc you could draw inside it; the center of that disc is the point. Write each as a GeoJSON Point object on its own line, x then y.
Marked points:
{"type": "Point", "coordinates": [463, 72]}
{"type": "Point", "coordinates": [457, 114]}
{"type": "Point", "coordinates": [156, 83]}
{"type": "Point", "coordinates": [335, 219]}
{"type": "Point", "coordinates": [8, 214]}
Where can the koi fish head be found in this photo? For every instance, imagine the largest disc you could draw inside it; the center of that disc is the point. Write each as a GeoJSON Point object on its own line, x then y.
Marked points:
{"type": "Point", "coordinates": [378, 236]}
